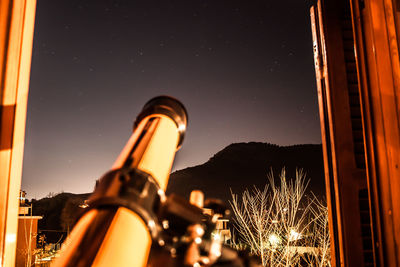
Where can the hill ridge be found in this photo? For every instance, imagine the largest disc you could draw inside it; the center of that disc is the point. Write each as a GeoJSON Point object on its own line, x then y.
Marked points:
{"type": "Point", "coordinates": [237, 166]}
{"type": "Point", "coordinates": [254, 161]}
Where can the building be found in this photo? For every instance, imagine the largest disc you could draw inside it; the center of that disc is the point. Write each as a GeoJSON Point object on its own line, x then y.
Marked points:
{"type": "Point", "coordinates": [27, 233]}
{"type": "Point", "coordinates": [222, 225]}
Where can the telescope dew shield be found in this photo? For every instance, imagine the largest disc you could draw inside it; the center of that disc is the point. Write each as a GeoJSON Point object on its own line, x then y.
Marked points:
{"type": "Point", "coordinates": [120, 224]}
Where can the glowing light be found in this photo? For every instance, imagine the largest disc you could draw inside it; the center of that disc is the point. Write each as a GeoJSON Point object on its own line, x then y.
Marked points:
{"type": "Point", "coordinates": [197, 240]}
{"type": "Point", "coordinates": [216, 236]}
{"type": "Point", "coordinates": [199, 231]}
{"type": "Point", "coordinates": [215, 249]}
{"type": "Point", "coordinates": [274, 240]}
{"type": "Point", "coordinates": [162, 196]}
{"type": "Point", "coordinates": [182, 127]}
{"type": "Point", "coordinates": [165, 224]}
{"type": "Point", "coordinates": [293, 235]}
{"type": "Point", "coordinates": [151, 224]}
{"type": "Point", "coordinates": [206, 260]}
{"type": "Point", "coordinates": [11, 238]}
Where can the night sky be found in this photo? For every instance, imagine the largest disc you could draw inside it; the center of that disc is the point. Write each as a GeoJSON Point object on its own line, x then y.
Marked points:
{"type": "Point", "coordinates": [243, 69]}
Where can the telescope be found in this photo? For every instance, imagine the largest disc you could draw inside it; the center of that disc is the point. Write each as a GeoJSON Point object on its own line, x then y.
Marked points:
{"type": "Point", "coordinates": [129, 213]}
{"type": "Point", "coordinates": [118, 227]}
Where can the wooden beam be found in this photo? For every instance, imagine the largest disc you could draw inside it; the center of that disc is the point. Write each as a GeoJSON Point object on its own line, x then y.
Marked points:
{"type": "Point", "coordinates": [16, 36]}
{"type": "Point", "coordinates": [341, 132]}
{"type": "Point", "coordinates": [379, 52]}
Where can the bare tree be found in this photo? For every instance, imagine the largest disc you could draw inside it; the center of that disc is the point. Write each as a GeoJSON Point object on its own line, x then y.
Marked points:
{"type": "Point", "coordinates": [318, 236]}
{"type": "Point", "coordinates": [282, 226]}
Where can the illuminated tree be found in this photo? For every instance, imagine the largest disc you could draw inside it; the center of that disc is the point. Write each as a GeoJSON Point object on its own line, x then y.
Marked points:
{"type": "Point", "coordinates": [280, 225]}
{"type": "Point", "coordinates": [318, 236]}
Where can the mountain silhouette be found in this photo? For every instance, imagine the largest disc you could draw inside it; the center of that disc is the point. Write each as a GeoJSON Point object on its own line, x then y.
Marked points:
{"type": "Point", "coordinates": [244, 165]}
{"type": "Point", "coordinates": [59, 214]}
{"type": "Point", "coordinates": [236, 167]}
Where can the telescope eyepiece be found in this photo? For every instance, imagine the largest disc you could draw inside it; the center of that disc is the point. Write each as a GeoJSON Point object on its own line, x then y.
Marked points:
{"type": "Point", "coordinates": [167, 106]}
